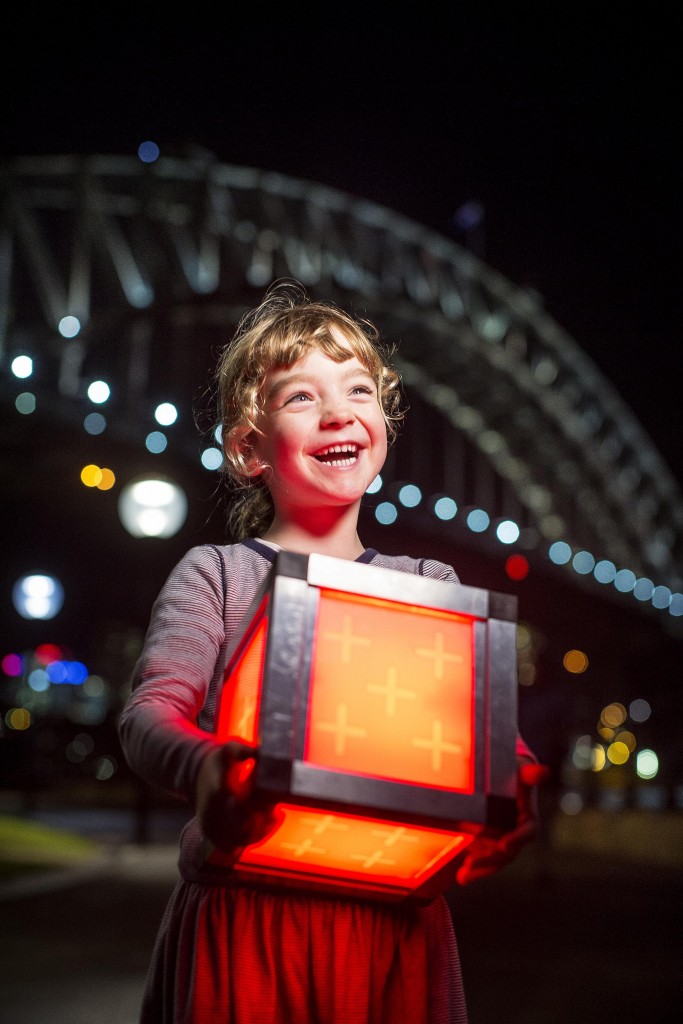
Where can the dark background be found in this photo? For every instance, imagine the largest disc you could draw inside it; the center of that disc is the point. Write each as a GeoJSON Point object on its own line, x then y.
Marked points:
{"type": "Point", "coordinates": [562, 123]}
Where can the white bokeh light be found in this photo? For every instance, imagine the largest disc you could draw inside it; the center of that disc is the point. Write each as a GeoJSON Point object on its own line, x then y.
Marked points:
{"type": "Point", "coordinates": [152, 507]}
{"type": "Point", "coordinates": [38, 596]}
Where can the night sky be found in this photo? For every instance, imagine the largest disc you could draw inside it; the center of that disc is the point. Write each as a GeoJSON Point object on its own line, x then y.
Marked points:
{"type": "Point", "coordinates": [562, 124]}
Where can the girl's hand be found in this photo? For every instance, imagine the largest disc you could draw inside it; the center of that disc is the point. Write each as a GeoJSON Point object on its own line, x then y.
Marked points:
{"type": "Point", "coordinates": [485, 854]}
{"type": "Point", "coordinates": [226, 816]}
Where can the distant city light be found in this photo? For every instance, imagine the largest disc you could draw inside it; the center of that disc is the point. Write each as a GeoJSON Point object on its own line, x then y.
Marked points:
{"type": "Point", "coordinates": [95, 423]}
{"type": "Point", "coordinates": [152, 507]}
{"type": "Point", "coordinates": [478, 520]}
{"type": "Point", "coordinates": [12, 665]}
{"type": "Point", "coordinates": [639, 710]}
{"type": "Point", "coordinates": [148, 152]}
{"type": "Point", "coordinates": [212, 458]}
{"type": "Point", "coordinates": [410, 495]}
{"type": "Point", "coordinates": [605, 571]}
{"type": "Point", "coordinates": [22, 366]}
{"type": "Point", "coordinates": [73, 672]}
{"type": "Point", "coordinates": [25, 403]}
{"type": "Point", "coordinates": [625, 580]}
{"type": "Point", "coordinates": [69, 326]}
{"type": "Point", "coordinates": [643, 589]}
{"type": "Point", "coordinates": [559, 552]}
{"type": "Point", "coordinates": [583, 562]}
{"type": "Point", "coordinates": [575, 662]}
{"type": "Point", "coordinates": [445, 508]}
{"type": "Point", "coordinates": [647, 764]}
{"type": "Point", "coordinates": [517, 567]}
{"type": "Point", "coordinates": [507, 532]}
{"type": "Point", "coordinates": [99, 391]}
{"type": "Point", "coordinates": [38, 596]}
{"type": "Point", "coordinates": [661, 597]}
{"type": "Point", "coordinates": [166, 414]}
{"type": "Point", "coordinates": [156, 442]}
{"type": "Point", "coordinates": [386, 513]}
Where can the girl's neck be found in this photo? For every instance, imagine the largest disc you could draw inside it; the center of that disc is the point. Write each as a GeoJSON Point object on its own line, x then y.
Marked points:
{"type": "Point", "coordinates": [341, 542]}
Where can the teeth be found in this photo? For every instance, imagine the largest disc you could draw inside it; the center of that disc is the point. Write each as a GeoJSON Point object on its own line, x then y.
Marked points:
{"type": "Point", "coordinates": [339, 455]}
{"type": "Point", "coordinates": [337, 449]}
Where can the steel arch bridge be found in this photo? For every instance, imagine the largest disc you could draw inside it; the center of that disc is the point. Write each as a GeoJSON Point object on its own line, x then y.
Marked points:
{"type": "Point", "coordinates": [157, 261]}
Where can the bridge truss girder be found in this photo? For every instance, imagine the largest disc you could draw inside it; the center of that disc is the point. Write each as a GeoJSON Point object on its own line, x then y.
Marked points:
{"type": "Point", "coordinates": [158, 262]}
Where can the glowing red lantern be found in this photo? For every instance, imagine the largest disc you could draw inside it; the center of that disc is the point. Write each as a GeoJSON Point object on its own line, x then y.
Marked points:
{"type": "Point", "coordinates": [383, 709]}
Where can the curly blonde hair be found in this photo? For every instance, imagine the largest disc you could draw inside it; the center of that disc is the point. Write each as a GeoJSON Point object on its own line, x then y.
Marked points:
{"type": "Point", "coordinates": [275, 335]}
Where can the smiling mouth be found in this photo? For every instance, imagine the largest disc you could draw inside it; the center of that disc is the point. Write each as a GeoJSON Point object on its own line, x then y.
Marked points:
{"type": "Point", "coordinates": [338, 455]}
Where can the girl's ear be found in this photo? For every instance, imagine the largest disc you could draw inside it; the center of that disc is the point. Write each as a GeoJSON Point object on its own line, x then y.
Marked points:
{"type": "Point", "coordinates": [243, 441]}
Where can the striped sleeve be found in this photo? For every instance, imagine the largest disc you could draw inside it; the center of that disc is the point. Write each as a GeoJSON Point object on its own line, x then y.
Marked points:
{"type": "Point", "coordinates": [157, 727]}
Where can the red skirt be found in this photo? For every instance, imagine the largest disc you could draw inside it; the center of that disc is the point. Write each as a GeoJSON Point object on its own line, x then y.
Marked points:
{"type": "Point", "coordinates": [243, 956]}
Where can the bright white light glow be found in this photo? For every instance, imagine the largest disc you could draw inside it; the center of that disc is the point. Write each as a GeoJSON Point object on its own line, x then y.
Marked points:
{"type": "Point", "coordinates": [69, 326]}
{"type": "Point", "coordinates": [507, 532]}
{"type": "Point", "coordinates": [99, 392]}
{"type": "Point", "coordinates": [22, 366]}
{"type": "Point", "coordinates": [38, 596]}
{"type": "Point", "coordinates": [166, 414]}
{"type": "Point", "coordinates": [647, 764]}
{"type": "Point", "coordinates": [152, 508]}
{"type": "Point", "coordinates": [375, 486]}
{"type": "Point", "coordinates": [212, 458]}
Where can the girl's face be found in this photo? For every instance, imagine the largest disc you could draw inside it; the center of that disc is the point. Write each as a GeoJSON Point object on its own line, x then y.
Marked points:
{"type": "Point", "coordinates": [324, 437]}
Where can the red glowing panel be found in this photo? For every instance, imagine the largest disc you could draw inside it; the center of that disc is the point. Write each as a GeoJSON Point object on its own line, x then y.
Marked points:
{"type": "Point", "coordinates": [391, 692]}
{"type": "Point", "coordinates": [238, 714]}
{"type": "Point", "coordinates": [316, 842]}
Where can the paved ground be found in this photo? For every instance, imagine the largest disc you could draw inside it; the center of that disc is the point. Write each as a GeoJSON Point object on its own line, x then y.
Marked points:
{"type": "Point", "coordinates": [558, 938]}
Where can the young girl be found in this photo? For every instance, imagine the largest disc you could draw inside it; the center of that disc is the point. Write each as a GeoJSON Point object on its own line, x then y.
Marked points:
{"type": "Point", "coordinates": [307, 402]}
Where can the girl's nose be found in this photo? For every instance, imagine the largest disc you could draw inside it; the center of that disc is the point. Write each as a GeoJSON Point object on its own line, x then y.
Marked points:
{"type": "Point", "coordinates": [337, 411]}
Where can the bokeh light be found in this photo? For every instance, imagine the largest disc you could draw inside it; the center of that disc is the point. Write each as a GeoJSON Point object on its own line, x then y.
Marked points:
{"type": "Point", "coordinates": [639, 710]}
{"type": "Point", "coordinates": [99, 391]}
{"type": "Point", "coordinates": [375, 486]}
{"type": "Point", "coordinates": [613, 715]}
{"type": "Point", "coordinates": [575, 661]}
{"type": "Point", "coordinates": [95, 423]}
{"type": "Point", "coordinates": [69, 326]}
{"type": "Point", "coordinates": [559, 552]}
{"type": "Point", "coordinates": [38, 596]}
{"type": "Point", "coordinates": [22, 366]}
{"type": "Point", "coordinates": [478, 520]}
{"type": "Point", "coordinates": [517, 567]}
{"type": "Point", "coordinates": [166, 414]}
{"type": "Point", "coordinates": [647, 764]}
{"type": "Point", "coordinates": [445, 508]}
{"type": "Point", "coordinates": [507, 532]}
{"type": "Point", "coordinates": [152, 507]}
{"type": "Point", "coordinates": [156, 442]}
{"type": "Point", "coordinates": [212, 458]}
{"type": "Point", "coordinates": [386, 513]}
{"type": "Point", "coordinates": [148, 152]}
{"type": "Point", "coordinates": [410, 495]}
{"type": "Point", "coordinates": [91, 475]}
{"type": "Point", "coordinates": [25, 403]}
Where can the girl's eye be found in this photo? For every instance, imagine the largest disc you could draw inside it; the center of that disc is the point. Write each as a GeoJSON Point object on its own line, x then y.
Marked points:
{"type": "Point", "coordinates": [362, 389]}
{"type": "Point", "coordinates": [300, 396]}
